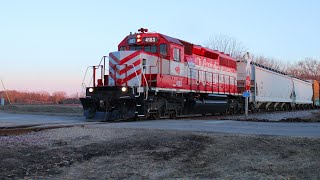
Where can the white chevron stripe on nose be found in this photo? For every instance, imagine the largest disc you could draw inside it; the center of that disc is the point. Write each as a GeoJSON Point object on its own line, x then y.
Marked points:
{"type": "Point", "coordinates": [128, 68]}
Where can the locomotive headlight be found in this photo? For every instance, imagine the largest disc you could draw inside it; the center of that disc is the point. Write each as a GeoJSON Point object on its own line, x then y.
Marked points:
{"type": "Point", "coordinates": [91, 90]}
{"type": "Point", "coordinates": [124, 89]}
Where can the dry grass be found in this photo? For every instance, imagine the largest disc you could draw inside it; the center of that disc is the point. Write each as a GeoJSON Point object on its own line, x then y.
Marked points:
{"type": "Point", "coordinates": [72, 110]}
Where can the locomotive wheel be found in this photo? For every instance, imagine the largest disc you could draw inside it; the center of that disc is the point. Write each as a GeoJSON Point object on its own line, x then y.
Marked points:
{"type": "Point", "coordinates": [151, 117]}
{"type": "Point", "coordinates": [173, 115]}
{"type": "Point", "coordinates": [223, 113]}
{"type": "Point", "coordinates": [92, 112]}
{"type": "Point", "coordinates": [252, 108]}
{"type": "Point", "coordinates": [237, 110]}
{"type": "Point", "coordinates": [242, 111]}
{"type": "Point", "coordinates": [233, 110]}
{"type": "Point", "coordinates": [228, 111]}
{"type": "Point", "coordinates": [155, 116]}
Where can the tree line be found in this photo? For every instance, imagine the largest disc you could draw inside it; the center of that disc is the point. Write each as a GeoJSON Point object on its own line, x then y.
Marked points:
{"type": "Point", "coordinates": [42, 97]}
{"type": "Point", "coordinates": [307, 68]}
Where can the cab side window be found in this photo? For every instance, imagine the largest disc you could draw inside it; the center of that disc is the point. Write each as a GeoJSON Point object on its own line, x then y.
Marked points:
{"type": "Point", "coordinates": [176, 54]}
{"type": "Point", "coordinates": [163, 49]}
{"type": "Point", "coordinates": [152, 49]}
{"type": "Point", "coordinates": [122, 48]}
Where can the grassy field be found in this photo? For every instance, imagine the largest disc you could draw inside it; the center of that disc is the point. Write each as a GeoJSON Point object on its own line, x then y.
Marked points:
{"type": "Point", "coordinates": [68, 110]}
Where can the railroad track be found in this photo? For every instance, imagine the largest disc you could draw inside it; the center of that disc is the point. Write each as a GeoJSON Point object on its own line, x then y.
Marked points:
{"type": "Point", "coordinates": [237, 116]}
{"type": "Point", "coordinates": [22, 129]}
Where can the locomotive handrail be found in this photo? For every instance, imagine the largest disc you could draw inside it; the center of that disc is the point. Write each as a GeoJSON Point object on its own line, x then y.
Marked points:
{"type": "Point", "coordinates": [84, 78]}
{"type": "Point", "coordinates": [83, 88]}
{"type": "Point", "coordinates": [83, 84]}
{"type": "Point", "coordinates": [150, 66]}
{"type": "Point", "coordinates": [103, 70]}
{"type": "Point", "coordinates": [198, 79]}
{"type": "Point", "coordinates": [147, 85]}
{"type": "Point", "coordinates": [135, 71]}
{"type": "Point", "coordinates": [213, 73]}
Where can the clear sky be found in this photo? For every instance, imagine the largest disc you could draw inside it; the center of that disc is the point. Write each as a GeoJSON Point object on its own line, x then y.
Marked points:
{"type": "Point", "coordinates": [47, 45]}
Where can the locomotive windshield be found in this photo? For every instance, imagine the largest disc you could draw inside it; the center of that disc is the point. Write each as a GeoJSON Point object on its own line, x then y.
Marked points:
{"type": "Point", "coordinates": [151, 49]}
{"type": "Point", "coordinates": [136, 48]}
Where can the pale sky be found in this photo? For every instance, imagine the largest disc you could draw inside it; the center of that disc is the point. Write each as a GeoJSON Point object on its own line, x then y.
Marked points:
{"type": "Point", "coordinates": [47, 45]}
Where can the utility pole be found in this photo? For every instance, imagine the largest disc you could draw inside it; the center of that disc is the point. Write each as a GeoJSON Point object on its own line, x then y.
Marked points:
{"type": "Point", "coordinates": [5, 91]}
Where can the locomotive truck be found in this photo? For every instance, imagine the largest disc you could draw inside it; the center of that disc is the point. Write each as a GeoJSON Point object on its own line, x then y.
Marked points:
{"type": "Point", "coordinates": [153, 75]}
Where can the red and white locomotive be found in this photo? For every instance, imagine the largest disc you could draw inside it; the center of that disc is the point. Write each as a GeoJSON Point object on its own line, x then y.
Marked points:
{"type": "Point", "coordinates": [154, 75]}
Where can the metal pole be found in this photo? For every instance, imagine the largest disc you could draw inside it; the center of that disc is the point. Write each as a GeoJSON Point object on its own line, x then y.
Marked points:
{"type": "Point", "coordinates": [246, 107]}
{"type": "Point", "coordinates": [94, 76]}
{"type": "Point", "coordinates": [104, 70]}
{"type": "Point", "coordinates": [102, 73]}
{"type": "Point", "coordinates": [248, 83]}
{"type": "Point", "coordinates": [6, 92]}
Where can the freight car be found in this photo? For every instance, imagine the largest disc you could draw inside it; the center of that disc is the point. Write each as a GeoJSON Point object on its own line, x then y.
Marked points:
{"type": "Point", "coordinates": [316, 92]}
{"type": "Point", "coordinates": [275, 90]}
{"type": "Point", "coordinates": [153, 75]}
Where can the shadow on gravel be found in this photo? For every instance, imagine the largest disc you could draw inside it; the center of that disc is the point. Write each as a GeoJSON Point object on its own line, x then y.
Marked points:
{"type": "Point", "coordinates": [299, 120]}
{"type": "Point", "coordinates": [282, 120]}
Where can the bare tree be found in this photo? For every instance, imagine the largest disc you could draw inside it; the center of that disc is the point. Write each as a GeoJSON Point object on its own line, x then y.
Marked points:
{"type": "Point", "coordinates": [226, 44]}
{"type": "Point", "coordinates": [309, 68]}
{"type": "Point", "coordinates": [271, 62]}
{"type": "Point", "coordinates": [58, 96]}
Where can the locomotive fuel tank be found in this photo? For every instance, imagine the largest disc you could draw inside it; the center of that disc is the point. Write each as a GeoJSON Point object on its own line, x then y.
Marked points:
{"type": "Point", "coordinates": [210, 103]}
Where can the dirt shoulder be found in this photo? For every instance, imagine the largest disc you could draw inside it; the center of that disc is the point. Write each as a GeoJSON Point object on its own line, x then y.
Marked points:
{"type": "Point", "coordinates": [92, 152]}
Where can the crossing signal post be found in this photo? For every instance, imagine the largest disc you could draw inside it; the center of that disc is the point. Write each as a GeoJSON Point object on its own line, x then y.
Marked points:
{"type": "Point", "coordinates": [246, 94]}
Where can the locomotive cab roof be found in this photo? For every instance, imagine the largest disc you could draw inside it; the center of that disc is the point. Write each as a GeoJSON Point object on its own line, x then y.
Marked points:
{"type": "Point", "coordinates": [143, 38]}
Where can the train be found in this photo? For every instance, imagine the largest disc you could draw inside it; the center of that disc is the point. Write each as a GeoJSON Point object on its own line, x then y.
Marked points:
{"type": "Point", "coordinates": [153, 75]}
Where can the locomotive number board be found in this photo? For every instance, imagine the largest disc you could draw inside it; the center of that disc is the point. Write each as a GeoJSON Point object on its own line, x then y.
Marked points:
{"type": "Point", "coordinates": [150, 39]}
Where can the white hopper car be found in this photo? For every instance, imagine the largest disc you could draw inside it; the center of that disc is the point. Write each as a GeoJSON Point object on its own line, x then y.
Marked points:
{"type": "Point", "coordinates": [272, 89]}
